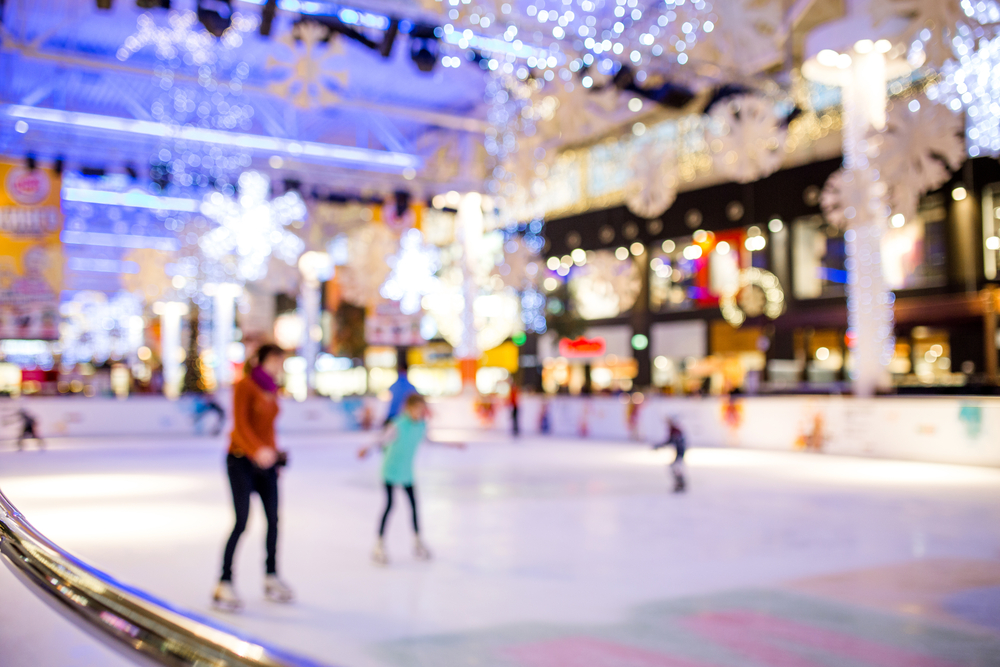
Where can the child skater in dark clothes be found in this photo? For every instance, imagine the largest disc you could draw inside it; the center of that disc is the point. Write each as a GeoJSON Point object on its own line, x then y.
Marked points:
{"type": "Point", "coordinates": [676, 438]}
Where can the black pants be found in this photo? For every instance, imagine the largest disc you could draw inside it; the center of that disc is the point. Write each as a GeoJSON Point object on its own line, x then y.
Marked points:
{"type": "Point", "coordinates": [246, 478]}
{"type": "Point", "coordinates": [513, 420]}
{"type": "Point", "coordinates": [388, 508]}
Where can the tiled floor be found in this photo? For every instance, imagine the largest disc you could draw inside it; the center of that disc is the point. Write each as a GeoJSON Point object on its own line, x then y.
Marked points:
{"type": "Point", "coordinates": [547, 552]}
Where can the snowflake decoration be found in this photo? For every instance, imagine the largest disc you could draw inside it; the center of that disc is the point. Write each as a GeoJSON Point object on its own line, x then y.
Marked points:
{"type": "Point", "coordinates": [97, 328]}
{"type": "Point", "coordinates": [413, 272]}
{"type": "Point", "coordinates": [605, 286]}
{"type": "Point", "coordinates": [973, 83]}
{"type": "Point", "coordinates": [251, 228]}
{"type": "Point", "coordinates": [652, 187]}
{"type": "Point", "coordinates": [307, 86]}
{"type": "Point", "coordinates": [519, 267]}
{"type": "Point", "coordinates": [921, 145]}
{"type": "Point", "coordinates": [751, 138]}
{"type": "Point", "coordinates": [936, 28]}
{"type": "Point", "coordinates": [368, 250]}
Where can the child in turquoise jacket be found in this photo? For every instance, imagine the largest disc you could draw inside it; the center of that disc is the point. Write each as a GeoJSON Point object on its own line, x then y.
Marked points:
{"type": "Point", "coordinates": [405, 434]}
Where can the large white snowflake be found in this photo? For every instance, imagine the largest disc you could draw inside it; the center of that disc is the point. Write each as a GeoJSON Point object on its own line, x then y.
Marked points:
{"type": "Point", "coordinates": [520, 266]}
{"type": "Point", "coordinates": [368, 250]}
{"type": "Point", "coordinates": [413, 272]}
{"type": "Point", "coordinates": [973, 83]}
{"type": "Point", "coordinates": [251, 228]}
{"type": "Point", "coordinates": [652, 186]}
{"type": "Point", "coordinates": [921, 145]}
{"type": "Point", "coordinates": [97, 328]}
{"type": "Point", "coordinates": [605, 286]}
{"type": "Point", "coordinates": [751, 136]}
{"type": "Point", "coordinates": [307, 83]}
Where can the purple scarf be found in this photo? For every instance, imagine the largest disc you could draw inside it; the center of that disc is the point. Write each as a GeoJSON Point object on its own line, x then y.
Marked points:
{"type": "Point", "coordinates": [263, 380]}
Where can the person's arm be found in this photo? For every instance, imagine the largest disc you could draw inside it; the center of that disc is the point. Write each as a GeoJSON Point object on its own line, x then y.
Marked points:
{"type": "Point", "coordinates": [387, 437]}
{"type": "Point", "coordinates": [249, 442]}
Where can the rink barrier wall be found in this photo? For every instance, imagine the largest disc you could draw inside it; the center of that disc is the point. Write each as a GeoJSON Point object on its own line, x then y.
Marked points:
{"type": "Point", "coordinates": [941, 429]}
{"type": "Point", "coordinates": [144, 629]}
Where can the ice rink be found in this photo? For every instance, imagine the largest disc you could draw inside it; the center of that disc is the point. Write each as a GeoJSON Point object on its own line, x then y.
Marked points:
{"type": "Point", "coordinates": [547, 553]}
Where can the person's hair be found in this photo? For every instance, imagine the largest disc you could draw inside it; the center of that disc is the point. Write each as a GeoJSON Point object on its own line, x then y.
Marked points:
{"type": "Point", "coordinates": [414, 400]}
{"type": "Point", "coordinates": [266, 350]}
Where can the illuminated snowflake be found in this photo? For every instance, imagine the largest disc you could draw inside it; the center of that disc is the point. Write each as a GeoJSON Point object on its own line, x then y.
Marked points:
{"type": "Point", "coordinates": [936, 28]}
{"type": "Point", "coordinates": [307, 85]}
{"type": "Point", "coordinates": [652, 187]}
{"type": "Point", "coordinates": [605, 286]}
{"type": "Point", "coordinates": [921, 146]}
{"type": "Point", "coordinates": [749, 146]}
{"type": "Point", "coordinates": [413, 272]}
{"type": "Point", "coordinates": [368, 250]}
{"type": "Point", "coordinates": [96, 328]}
{"type": "Point", "coordinates": [251, 228]}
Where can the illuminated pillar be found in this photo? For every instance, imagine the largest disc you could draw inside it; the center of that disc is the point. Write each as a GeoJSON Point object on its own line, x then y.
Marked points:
{"type": "Point", "coordinates": [224, 297]}
{"type": "Point", "coordinates": [853, 54]}
{"type": "Point", "coordinates": [171, 313]}
{"type": "Point", "coordinates": [315, 267]}
{"type": "Point", "coordinates": [469, 223]}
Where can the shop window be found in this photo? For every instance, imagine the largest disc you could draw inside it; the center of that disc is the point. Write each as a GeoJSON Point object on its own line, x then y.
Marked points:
{"type": "Point", "coordinates": [991, 230]}
{"type": "Point", "coordinates": [914, 251]}
{"type": "Point", "coordinates": [694, 271]}
{"type": "Point", "coordinates": [605, 285]}
{"type": "Point", "coordinates": [817, 259]}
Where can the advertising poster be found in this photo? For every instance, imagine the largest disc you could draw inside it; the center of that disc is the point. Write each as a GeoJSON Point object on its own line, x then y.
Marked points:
{"type": "Point", "coordinates": [31, 260]}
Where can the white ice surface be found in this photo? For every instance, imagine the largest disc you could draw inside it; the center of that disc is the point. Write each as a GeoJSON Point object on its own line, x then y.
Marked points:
{"type": "Point", "coordinates": [538, 530]}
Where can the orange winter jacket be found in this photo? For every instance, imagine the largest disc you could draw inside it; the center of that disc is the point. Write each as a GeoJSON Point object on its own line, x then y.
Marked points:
{"type": "Point", "coordinates": [254, 412]}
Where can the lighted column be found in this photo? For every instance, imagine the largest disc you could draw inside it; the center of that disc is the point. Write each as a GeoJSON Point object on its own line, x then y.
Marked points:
{"type": "Point", "coordinates": [224, 297]}
{"type": "Point", "coordinates": [851, 53]}
{"type": "Point", "coordinates": [315, 267]}
{"type": "Point", "coordinates": [171, 314]}
{"type": "Point", "coordinates": [469, 223]}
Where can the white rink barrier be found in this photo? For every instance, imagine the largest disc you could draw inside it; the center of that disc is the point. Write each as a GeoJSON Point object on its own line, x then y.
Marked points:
{"type": "Point", "coordinates": [944, 429]}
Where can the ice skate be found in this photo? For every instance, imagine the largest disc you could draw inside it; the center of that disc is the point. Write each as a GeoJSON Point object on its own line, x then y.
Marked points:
{"type": "Point", "coordinates": [276, 590]}
{"type": "Point", "coordinates": [225, 598]}
{"type": "Point", "coordinates": [379, 555]}
{"type": "Point", "coordinates": [420, 551]}
{"type": "Point", "coordinates": [679, 485]}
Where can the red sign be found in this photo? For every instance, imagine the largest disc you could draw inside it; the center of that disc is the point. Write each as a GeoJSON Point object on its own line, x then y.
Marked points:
{"type": "Point", "coordinates": [581, 348]}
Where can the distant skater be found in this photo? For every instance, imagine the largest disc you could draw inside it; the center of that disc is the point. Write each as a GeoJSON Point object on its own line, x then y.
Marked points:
{"type": "Point", "coordinates": [252, 463]}
{"type": "Point", "coordinates": [28, 432]}
{"type": "Point", "coordinates": [400, 390]}
{"type": "Point", "coordinates": [514, 400]}
{"type": "Point", "coordinates": [400, 444]}
{"type": "Point", "coordinates": [677, 469]}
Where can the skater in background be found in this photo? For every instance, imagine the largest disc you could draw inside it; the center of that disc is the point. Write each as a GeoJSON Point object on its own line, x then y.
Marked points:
{"type": "Point", "coordinates": [253, 463]}
{"type": "Point", "coordinates": [28, 426]}
{"type": "Point", "coordinates": [514, 399]}
{"type": "Point", "coordinates": [204, 404]}
{"type": "Point", "coordinates": [675, 437]}
{"type": "Point", "coordinates": [400, 390]}
{"type": "Point", "coordinates": [405, 433]}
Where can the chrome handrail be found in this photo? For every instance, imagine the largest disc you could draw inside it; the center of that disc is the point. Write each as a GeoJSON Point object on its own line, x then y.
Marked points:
{"type": "Point", "coordinates": [146, 630]}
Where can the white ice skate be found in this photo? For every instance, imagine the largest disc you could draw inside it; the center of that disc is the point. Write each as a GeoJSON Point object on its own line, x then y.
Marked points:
{"type": "Point", "coordinates": [419, 550]}
{"type": "Point", "coordinates": [276, 590]}
{"type": "Point", "coordinates": [379, 555]}
{"type": "Point", "coordinates": [224, 598]}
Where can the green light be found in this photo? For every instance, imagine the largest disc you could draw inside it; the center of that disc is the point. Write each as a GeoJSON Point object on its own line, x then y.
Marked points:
{"type": "Point", "coordinates": [520, 338]}
{"type": "Point", "coordinates": [639, 342]}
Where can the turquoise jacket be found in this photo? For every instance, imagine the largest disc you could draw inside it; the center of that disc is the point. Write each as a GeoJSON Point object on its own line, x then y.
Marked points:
{"type": "Point", "coordinates": [397, 464]}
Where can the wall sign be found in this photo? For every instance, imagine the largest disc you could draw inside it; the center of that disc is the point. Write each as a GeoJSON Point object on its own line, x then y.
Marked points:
{"type": "Point", "coordinates": [582, 348]}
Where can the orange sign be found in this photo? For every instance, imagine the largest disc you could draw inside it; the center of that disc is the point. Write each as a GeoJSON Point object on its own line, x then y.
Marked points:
{"type": "Point", "coordinates": [581, 348]}
{"type": "Point", "coordinates": [31, 258]}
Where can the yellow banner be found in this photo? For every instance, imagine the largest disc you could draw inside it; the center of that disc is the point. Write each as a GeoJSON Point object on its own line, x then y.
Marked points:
{"type": "Point", "coordinates": [31, 258]}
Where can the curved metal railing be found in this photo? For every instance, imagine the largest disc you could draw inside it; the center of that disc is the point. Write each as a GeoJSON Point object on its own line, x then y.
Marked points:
{"type": "Point", "coordinates": [146, 630]}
